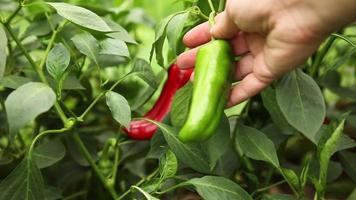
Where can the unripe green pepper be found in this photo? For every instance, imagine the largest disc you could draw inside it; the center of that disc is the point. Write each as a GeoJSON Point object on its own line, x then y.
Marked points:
{"type": "Point", "coordinates": [212, 81]}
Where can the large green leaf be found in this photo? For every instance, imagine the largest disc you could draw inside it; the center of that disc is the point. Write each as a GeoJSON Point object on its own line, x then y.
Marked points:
{"type": "Point", "coordinates": [26, 103]}
{"type": "Point", "coordinates": [143, 69]}
{"type": "Point", "coordinates": [256, 145]}
{"type": "Point", "coordinates": [119, 107]}
{"type": "Point", "coordinates": [81, 16]}
{"type": "Point", "coordinates": [174, 31]}
{"type": "Point", "coordinates": [301, 102]}
{"type": "Point", "coordinates": [25, 182]}
{"type": "Point", "coordinates": [214, 187]}
{"type": "Point", "coordinates": [57, 61]}
{"type": "Point", "coordinates": [3, 46]}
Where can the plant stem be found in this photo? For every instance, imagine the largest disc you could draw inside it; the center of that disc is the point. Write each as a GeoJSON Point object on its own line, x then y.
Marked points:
{"type": "Point", "coordinates": [320, 56]}
{"type": "Point", "coordinates": [43, 134]}
{"type": "Point", "coordinates": [221, 5]}
{"type": "Point", "coordinates": [345, 38]}
{"type": "Point", "coordinates": [97, 171]}
{"type": "Point", "coordinates": [96, 100]}
{"type": "Point", "coordinates": [269, 187]}
{"type": "Point", "coordinates": [12, 16]}
{"type": "Point", "coordinates": [116, 160]}
{"type": "Point", "coordinates": [211, 6]}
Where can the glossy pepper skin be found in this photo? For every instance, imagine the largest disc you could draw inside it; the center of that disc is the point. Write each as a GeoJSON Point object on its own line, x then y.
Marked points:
{"type": "Point", "coordinates": [144, 130]}
{"type": "Point", "coordinates": [211, 85]}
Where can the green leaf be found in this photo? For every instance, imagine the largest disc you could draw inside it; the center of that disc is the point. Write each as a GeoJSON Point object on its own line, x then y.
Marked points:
{"type": "Point", "coordinates": [157, 45]}
{"type": "Point", "coordinates": [3, 46]}
{"type": "Point", "coordinates": [14, 81]}
{"type": "Point", "coordinates": [214, 187]}
{"type": "Point", "coordinates": [292, 178]}
{"type": "Point", "coordinates": [147, 195]}
{"type": "Point", "coordinates": [120, 33]}
{"type": "Point", "coordinates": [301, 102]}
{"type": "Point", "coordinates": [143, 69]}
{"type": "Point", "coordinates": [26, 103]}
{"type": "Point", "coordinates": [327, 150]}
{"type": "Point", "coordinates": [57, 61]}
{"type": "Point", "coordinates": [25, 182]}
{"type": "Point", "coordinates": [174, 31]}
{"type": "Point", "coordinates": [87, 45]}
{"type": "Point", "coordinates": [256, 145]}
{"type": "Point", "coordinates": [48, 153]}
{"type": "Point", "coordinates": [348, 162]}
{"type": "Point", "coordinates": [119, 108]}
{"type": "Point", "coordinates": [114, 47]}
{"type": "Point", "coordinates": [190, 154]}
{"type": "Point", "coordinates": [81, 16]}
{"type": "Point", "coordinates": [269, 101]}
{"type": "Point", "coordinates": [180, 105]}
{"type": "Point", "coordinates": [220, 139]}
{"type": "Point", "coordinates": [168, 165]}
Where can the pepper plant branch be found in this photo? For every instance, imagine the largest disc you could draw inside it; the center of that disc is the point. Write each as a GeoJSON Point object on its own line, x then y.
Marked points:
{"type": "Point", "coordinates": [97, 99]}
{"type": "Point", "coordinates": [320, 56]}
{"type": "Point", "coordinates": [221, 5]}
{"type": "Point", "coordinates": [39, 71]}
{"type": "Point", "coordinates": [44, 133]}
{"type": "Point", "coordinates": [97, 171]}
{"type": "Point", "coordinates": [211, 6]}
{"type": "Point", "coordinates": [13, 15]}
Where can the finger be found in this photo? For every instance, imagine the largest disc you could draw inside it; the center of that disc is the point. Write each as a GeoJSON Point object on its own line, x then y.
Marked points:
{"type": "Point", "coordinates": [187, 59]}
{"type": "Point", "coordinates": [247, 88]}
{"type": "Point", "coordinates": [239, 44]}
{"type": "Point", "coordinates": [244, 67]}
{"type": "Point", "coordinates": [197, 36]}
{"type": "Point", "coordinates": [224, 27]}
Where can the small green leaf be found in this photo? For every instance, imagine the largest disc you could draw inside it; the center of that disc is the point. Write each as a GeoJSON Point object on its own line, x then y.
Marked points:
{"type": "Point", "coordinates": [24, 182]}
{"type": "Point", "coordinates": [301, 102]}
{"type": "Point", "coordinates": [57, 61]}
{"type": "Point", "coordinates": [147, 195]}
{"type": "Point", "coordinates": [49, 153]}
{"type": "Point", "coordinates": [119, 32]}
{"type": "Point", "coordinates": [114, 47]}
{"type": "Point", "coordinates": [192, 155]}
{"type": "Point", "coordinates": [26, 103]}
{"type": "Point", "coordinates": [143, 69]}
{"type": "Point", "coordinates": [119, 108]}
{"type": "Point", "coordinates": [81, 16]}
{"type": "Point", "coordinates": [180, 105]}
{"type": "Point", "coordinates": [87, 45]}
{"type": "Point", "coordinates": [256, 145]}
{"type": "Point", "coordinates": [168, 165]}
{"type": "Point", "coordinates": [292, 178]}
{"type": "Point", "coordinates": [174, 31]}
{"type": "Point", "coordinates": [214, 187]}
{"type": "Point", "coordinates": [3, 46]}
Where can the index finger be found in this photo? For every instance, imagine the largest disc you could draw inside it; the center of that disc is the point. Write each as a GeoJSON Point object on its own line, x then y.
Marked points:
{"type": "Point", "coordinates": [197, 36]}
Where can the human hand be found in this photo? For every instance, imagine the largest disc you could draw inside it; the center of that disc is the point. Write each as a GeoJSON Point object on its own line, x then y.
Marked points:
{"type": "Point", "coordinates": [274, 37]}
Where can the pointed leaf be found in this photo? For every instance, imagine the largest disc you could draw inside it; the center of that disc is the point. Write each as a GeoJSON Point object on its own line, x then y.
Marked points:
{"type": "Point", "coordinates": [26, 103]}
{"type": "Point", "coordinates": [301, 102]}
{"type": "Point", "coordinates": [180, 105]}
{"type": "Point", "coordinates": [168, 165]}
{"type": "Point", "coordinates": [81, 16]}
{"type": "Point", "coordinates": [114, 47]}
{"type": "Point", "coordinates": [119, 107]}
{"type": "Point", "coordinates": [256, 145]}
{"type": "Point", "coordinates": [57, 61]}
{"type": "Point", "coordinates": [143, 69]}
{"type": "Point", "coordinates": [174, 30]}
{"type": "Point", "coordinates": [24, 182]}
{"type": "Point", "coordinates": [214, 187]}
{"type": "Point", "coordinates": [87, 45]}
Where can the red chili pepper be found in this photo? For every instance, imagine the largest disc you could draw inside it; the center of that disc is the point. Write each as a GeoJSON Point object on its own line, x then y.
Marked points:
{"type": "Point", "coordinates": [144, 130]}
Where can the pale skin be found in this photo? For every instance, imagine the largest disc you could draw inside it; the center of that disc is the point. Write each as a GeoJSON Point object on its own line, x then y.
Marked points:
{"type": "Point", "coordinates": [274, 37]}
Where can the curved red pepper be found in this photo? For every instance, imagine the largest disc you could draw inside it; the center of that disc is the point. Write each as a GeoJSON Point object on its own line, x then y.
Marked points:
{"type": "Point", "coordinates": [144, 130]}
